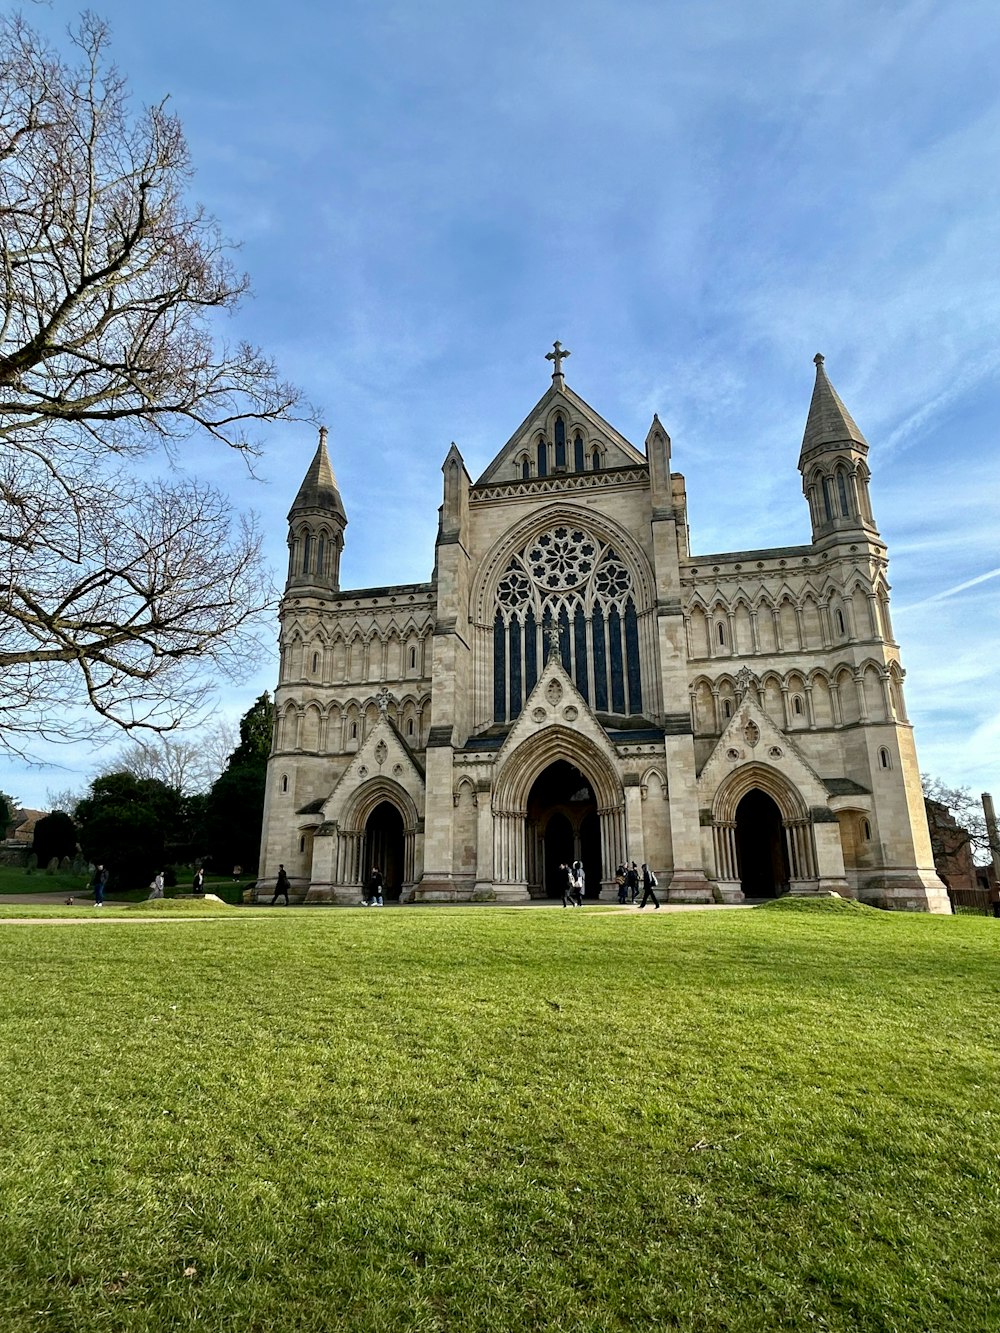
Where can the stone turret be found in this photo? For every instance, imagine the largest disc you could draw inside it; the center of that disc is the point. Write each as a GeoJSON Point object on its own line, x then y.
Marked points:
{"type": "Point", "coordinates": [316, 523]}
{"type": "Point", "coordinates": [833, 463]}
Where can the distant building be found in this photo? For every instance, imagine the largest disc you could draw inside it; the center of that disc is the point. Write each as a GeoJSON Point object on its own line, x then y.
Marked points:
{"type": "Point", "coordinates": [573, 682]}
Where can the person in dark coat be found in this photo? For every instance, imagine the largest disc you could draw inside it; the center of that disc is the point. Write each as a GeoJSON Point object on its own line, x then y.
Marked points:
{"type": "Point", "coordinates": [620, 882]}
{"type": "Point", "coordinates": [99, 884]}
{"type": "Point", "coordinates": [566, 876]}
{"type": "Point", "coordinates": [648, 885]}
{"type": "Point", "coordinates": [281, 887]}
{"type": "Point", "coordinates": [632, 883]}
{"type": "Point", "coordinates": [376, 885]}
{"type": "Point", "coordinates": [198, 883]}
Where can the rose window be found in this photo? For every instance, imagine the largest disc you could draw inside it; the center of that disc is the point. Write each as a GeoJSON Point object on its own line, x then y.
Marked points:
{"type": "Point", "coordinates": [561, 559]}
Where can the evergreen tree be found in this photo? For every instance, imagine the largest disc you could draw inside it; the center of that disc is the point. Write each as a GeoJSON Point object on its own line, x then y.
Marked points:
{"type": "Point", "coordinates": [234, 811]}
{"type": "Point", "coordinates": [55, 835]}
{"type": "Point", "coordinates": [126, 823]}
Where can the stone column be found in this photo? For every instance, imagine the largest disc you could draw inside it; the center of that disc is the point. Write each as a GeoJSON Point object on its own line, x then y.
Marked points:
{"type": "Point", "coordinates": [483, 892]}
{"type": "Point", "coordinates": [635, 840]}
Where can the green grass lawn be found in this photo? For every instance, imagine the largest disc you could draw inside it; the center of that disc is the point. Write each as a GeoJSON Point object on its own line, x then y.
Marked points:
{"type": "Point", "coordinates": [483, 1119]}
{"type": "Point", "coordinates": [14, 880]}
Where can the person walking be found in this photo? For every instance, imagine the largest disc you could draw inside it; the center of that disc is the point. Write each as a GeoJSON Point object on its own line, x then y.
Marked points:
{"type": "Point", "coordinates": [198, 883]}
{"type": "Point", "coordinates": [579, 883]}
{"type": "Point", "coordinates": [632, 883]}
{"type": "Point", "coordinates": [648, 885]}
{"type": "Point", "coordinates": [99, 884]}
{"type": "Point", "coordinates": [376, 884]}
{"type": "Point", "coordinates": [156, 888]}
{"type": "Point", "coordinates": [281, 887]}
{"type": "Point", "coordinates": [620, 875]}
{"type": "Point", "coordinates": [566, 876]}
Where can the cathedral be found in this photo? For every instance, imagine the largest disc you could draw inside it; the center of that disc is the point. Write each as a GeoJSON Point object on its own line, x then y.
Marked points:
{"type": "Point", "coordinates": [573, 683]}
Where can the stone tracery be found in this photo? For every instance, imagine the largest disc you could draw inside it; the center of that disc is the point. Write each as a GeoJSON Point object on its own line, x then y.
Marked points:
{"type": "Point", "coordinates": [568, 579]}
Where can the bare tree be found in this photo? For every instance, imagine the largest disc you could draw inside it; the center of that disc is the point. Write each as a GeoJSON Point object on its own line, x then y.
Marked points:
{"type": "Point", "coordinates": [189, 765]}
{"type": "Point", "coordinates": [117, 590]}
{"type": "Point", "coordinates": [968, 814]}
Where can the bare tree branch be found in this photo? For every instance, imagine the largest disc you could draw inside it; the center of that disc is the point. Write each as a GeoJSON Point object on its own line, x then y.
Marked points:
{"type": "Point", "coordinates": [116, 593]}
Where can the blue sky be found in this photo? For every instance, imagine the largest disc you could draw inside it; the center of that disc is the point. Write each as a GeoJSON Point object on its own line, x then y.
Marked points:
{"type": "Point", "coordinates": [694, 197]}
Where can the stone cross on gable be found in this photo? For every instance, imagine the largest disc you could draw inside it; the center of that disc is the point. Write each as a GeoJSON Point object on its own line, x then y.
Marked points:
{"type": "Point", "coordinates": [552, 639]}
{"type": "Point", "coordinates": [557, 355]}
{"type": "Point", "coordinates": [384, 698]}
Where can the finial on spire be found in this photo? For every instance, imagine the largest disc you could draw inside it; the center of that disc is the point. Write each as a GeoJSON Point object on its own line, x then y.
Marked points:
{"type": "Point", "coordinates": [818, 359]}
{"type": "Point", "coordinates": [557, 355]}
{"type": "Point", "coordinates": [322, 436]}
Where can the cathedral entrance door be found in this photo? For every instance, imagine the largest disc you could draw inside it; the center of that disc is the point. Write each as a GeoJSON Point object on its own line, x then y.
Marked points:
{"type": "Point", "coordinates": [760, 845]}
{"type": "Point", "coordinates": [562, 826]}
{"type": "Point", "coordinates": [384, 847]}
{"type": "Point", "coordinates": [558, 839]}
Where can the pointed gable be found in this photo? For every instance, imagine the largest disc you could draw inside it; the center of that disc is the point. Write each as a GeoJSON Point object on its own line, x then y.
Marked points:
{"type": "Point", "coordinates": [751, 738]}
{"type": "Point", "coordinates": [384, 754]}
{"type": "Point", "coordinates": [616, 451]}
{"type": "Point", "coordinates": [829, 423]}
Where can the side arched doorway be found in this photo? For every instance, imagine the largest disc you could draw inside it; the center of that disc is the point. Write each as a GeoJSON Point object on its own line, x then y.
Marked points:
{"type": "Point", "coordinates": [760, 846]}
{"type": "Point", "coordinates": [562, 826]}
{"type": "Point", "coordinates": [385, 848]}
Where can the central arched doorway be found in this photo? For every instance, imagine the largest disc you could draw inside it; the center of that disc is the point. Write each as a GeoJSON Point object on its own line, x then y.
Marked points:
{"type": "Point", "coordinates": [384, 847]}
{"type": "Point", "coordinates": [760, 846]}
{"type": "Point", "coordinates": [562, 826]}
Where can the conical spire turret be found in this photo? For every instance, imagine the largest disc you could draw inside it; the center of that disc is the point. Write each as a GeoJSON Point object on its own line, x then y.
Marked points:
{"type": "Point", "coordinates": [833, 464]}
{"type": "Point", "coordinates": [316, 523]}
{"type": "Point", "coordinates": [829, 422]}
{"type": "Point", "coordinates": [319, 485]}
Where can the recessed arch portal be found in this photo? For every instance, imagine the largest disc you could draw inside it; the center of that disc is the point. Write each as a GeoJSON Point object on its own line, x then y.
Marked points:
{"type": "Point", "coordinates": [562, 826]}
{"type": "Point", "coordinates": [534, 781]}
{"type": "Point", "coordinates": [760, 844]}
{"type": "Point", "coordinates": [385, 847]}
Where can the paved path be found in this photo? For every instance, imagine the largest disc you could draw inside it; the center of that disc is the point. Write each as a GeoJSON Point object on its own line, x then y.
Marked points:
{"type": "Point", "coordinates": [259, 913]}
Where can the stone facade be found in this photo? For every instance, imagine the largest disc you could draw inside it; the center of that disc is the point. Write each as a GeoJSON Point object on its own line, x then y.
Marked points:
{"type": "Point", "coordinates": [573, 682]}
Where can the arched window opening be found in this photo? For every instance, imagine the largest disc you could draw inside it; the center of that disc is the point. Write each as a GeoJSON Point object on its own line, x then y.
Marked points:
{"type": "Point", "coordinates": [354, 731]}
{"type": "Point", "coordinates": [579, 462]}
{"type": "Point", "coordinates": [284, 782]}
{"type": "Point", "coordinates": [543, 459]}
{"type": "Point", "coordinates": [845, 508]}
{"type": "Point", "coordinates": [797, 705]}
{"type": "Point", "coordinates": [840, 622]}
{"type": "Point", "coordinates": [721, 629]}
{"type": "Point", "coordinates": [727, 708]}
{"type": "Point", "coordinates": [568, 579]}
{"type": "Point", "coordinates": [595, 461]}
{"type": "Point", "coordinates": [306, 553]}
{"type": "Point", "coordinates": [884, 758]}
{"type": "Point", "coordinates": [828, 497]}
{"type": "Point", "coordinates": [525, 467]}
{"type": "Point", "coordinates": [315, 663]}
{"type": "Point", "coordinates": [560, 438]}
{"type": "Point", "coordinates": [413, 658]}
{"type": "Point", "coordinates": [409, 727]}
{"type": "Point", "coordinates": [302, 843]}
{"type": "Point", "coordinates": [866, 831]}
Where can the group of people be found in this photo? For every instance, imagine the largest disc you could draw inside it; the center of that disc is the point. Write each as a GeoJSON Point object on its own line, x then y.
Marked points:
{"type": "Point", "coordinates": [574, 881]}
{"type": "Point", "coordinates": [627, 881]}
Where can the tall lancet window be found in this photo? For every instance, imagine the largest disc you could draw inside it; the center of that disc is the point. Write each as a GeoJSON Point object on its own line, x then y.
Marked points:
{"type": "Point", "coordinates": [560, 436]}
{"type": "Point", "coordinates": [306, 553]}
{"type": "Point", "coordinates": [579, 463]}
{"type": "Point", "coordinates": [567, 577]}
